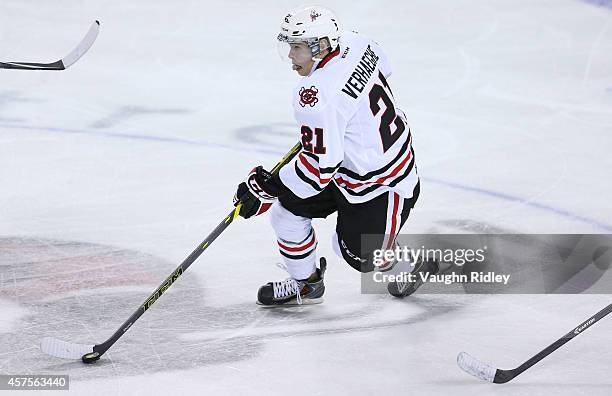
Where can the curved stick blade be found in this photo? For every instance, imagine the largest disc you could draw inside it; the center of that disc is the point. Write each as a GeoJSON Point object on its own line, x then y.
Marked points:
{"type": "Point", "coordinates": [83, 46]}
{"type": "Point", "coordinates": [62, 349]}
{"type": "Point", "coordinates": [475, 367]}
{"type": "Point", "coordinates": [66, 61]}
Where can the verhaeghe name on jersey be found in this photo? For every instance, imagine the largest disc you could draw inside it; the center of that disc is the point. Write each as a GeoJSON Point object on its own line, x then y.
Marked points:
{"type": "Point", "coordinates": [362, 73]}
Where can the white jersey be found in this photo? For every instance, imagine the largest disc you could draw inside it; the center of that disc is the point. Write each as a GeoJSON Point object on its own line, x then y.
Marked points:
{"type": "Point", "coordinates": [351, 133]}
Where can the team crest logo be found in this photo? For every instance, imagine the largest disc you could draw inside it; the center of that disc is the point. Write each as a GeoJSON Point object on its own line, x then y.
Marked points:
{"type": "Point", "coordinates": [308, 96]}
{"type": "Point", "coordinates": [314, 15]}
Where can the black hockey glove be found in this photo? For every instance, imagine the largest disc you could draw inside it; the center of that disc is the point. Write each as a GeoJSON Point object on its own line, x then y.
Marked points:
{"type": "Point", "coordinates": [258, 193]}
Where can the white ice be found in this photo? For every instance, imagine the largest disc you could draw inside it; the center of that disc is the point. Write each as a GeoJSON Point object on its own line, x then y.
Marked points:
{"type": "Point", "coordinates": [112, 171]}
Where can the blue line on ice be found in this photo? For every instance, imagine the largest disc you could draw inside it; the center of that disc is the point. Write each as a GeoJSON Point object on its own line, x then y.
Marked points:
{"type": "Point", "coordinates": [503, 196]}
{"type": "Point", "coordinates": [512, 198]}
{"type": "Point", "coordinates": [132, 136]}
{"type": "Point", "coordinates": [600, 3]}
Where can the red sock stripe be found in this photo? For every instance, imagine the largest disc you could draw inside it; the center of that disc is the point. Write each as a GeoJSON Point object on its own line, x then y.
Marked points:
{"type": "Point", "coordinates": [299, 248]}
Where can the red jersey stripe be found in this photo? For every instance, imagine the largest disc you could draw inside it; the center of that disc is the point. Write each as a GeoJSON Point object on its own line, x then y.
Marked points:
{"type": "Point", "coordinates": [313, 170]}
{"type": "Point", "coordinates": [380, 180]}
{"type": "Point", "coordinates": [328, 57]}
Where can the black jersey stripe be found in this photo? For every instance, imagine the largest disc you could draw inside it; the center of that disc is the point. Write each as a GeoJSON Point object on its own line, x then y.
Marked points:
{"type": "Point", "coordinates": [313, 171]}
{"type": "Point", "coordinates": [374, 173]}
{"type": "Point", "coordinates": [330, 169]}
{"type": "Point", "coordinates": [374, 187]}
{"type": "Point", "coordinates": [408, 171]}
{"type": "Point", "coordinates": [387, 180]}
{"type": "Point", "coordinates": [306, 179]}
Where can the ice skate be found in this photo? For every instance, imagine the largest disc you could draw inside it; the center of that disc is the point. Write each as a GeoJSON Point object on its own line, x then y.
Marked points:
{"type": "Point", "coordinates": [292, 292]}
{"type": "Point", "coordinates": [403, 289]}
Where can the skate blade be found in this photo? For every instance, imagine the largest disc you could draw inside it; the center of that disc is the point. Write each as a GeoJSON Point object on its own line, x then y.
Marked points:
{"type": "Point", "coordinates": [293, 303]}
{"type": "Point", "coordinates": [410, 290]}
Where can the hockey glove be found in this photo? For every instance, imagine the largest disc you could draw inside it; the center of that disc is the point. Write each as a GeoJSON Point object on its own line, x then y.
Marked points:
{"type": "Point", "coordinates": [258, 193]}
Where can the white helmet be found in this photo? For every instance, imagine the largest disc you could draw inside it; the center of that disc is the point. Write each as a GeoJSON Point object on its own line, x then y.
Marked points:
{"type": "Point", "coordinates": [310, 24]}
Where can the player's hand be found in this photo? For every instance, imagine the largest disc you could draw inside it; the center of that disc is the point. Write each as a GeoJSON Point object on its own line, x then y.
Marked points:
{"type": "Point", "coordinates": [258, 193]}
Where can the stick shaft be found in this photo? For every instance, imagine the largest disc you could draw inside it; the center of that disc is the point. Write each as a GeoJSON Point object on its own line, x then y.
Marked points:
{"type": "Point", "coordinates": [563, 340]}
{"type": "Point", "coordinates": [102, 348]}
{"type": "Point", "coordinates": [503, 376]}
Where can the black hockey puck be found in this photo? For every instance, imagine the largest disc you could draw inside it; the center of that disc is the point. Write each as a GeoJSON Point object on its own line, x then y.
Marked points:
{"type": "Point", "coordinates": [90, 357]}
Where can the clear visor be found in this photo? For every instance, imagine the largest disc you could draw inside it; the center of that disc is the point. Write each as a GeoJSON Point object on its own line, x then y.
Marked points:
{"type": "Point", "coordinates": [300, 49]}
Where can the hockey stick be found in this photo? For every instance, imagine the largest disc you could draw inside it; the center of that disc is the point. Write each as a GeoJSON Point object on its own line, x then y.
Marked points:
{"type": "Point", "coordinates": [91, 353]}
{"type": "Point", "coordinates": [486, 372]}
{"type": "Point", "coordinates": [66, 61]}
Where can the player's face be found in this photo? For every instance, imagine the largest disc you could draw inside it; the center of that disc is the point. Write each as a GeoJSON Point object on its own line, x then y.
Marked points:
{"type": "Point", "coordinates": [301, 58]}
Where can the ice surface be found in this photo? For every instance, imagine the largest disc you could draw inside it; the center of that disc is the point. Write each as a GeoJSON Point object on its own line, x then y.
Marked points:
{"type": "Point", "coordinates": [11, 315]}
{"type": "Point", "coordinates": [113, 171]}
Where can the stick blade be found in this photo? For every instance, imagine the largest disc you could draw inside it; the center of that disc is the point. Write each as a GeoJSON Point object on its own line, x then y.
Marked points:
{"type": "Point", "coordinates": [64, 350]}
{"type": "Point", "coordinates": [66, 61]}
{"type": "Point", "coordinates": [83, 46]}
{"type": "Point", "coordinates": [475, 367]}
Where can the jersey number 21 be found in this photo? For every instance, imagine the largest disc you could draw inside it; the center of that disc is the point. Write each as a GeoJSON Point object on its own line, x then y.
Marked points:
{"type": "Point", "coordinates": [389, 116]}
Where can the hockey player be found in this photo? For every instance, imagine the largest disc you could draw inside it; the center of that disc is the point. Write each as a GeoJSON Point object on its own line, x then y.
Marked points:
{"type": "Point", "coordinates": [357, 158]}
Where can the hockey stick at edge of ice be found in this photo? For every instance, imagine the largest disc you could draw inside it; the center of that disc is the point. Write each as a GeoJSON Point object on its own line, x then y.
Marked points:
{"type": "Point", "coordinates": [91, 353]}
{"type": "Point", "coordinates": [66, 61]}
{"type": "Point", "coordinates": [487, 372]}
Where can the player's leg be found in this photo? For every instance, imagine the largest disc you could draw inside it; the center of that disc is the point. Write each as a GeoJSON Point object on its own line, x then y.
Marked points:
{"type": "Point", "coordinates": [291, 219]}
{"type": "Point", "coordinates": [404, 287]}
{"type": "Point", "coordinates": [381, 219]}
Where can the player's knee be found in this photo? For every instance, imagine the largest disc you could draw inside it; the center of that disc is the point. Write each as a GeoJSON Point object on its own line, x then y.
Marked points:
{"type": "Point", "coordinates": [284, 222]}
{"type": "Point", "coordinates": [276, 216]}
{"type": "Point", "coordinates": [288, 226]}
{"type": "Point", "coordinates": [351, 255]}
